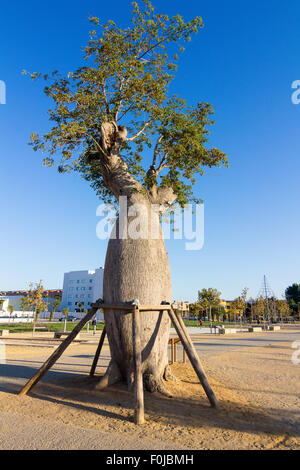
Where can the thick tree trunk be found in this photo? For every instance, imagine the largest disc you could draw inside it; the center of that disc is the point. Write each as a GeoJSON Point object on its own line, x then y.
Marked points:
{"type": "Point", "coordinates": [138, 269]}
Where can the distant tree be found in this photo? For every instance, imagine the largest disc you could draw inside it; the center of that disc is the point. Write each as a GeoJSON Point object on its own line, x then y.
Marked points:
{"type": "Point", "coordinates": [35, 299]}
{"type": "Point", "coordinates": [24, 305]}
{"type": "Point", "coordinates": [249, 309]}
{"type": "Point", "coordinates": [283, 309]}
{"type": "Point", "coordinates": [57, 301]}
{"type": "Point", "coordinates": [80, 307]}
{"type": "Point", "coordinates": [218, 312]}
{"type": "Point", "coordinates": [1, 303]}
{"type": "Point", "coordinates": [209, 297]}
{"type": "Point", "coordinates": [244, 299]}
{"type": "Point", "coordinates": [203, 306]}
{"type": "Point", "coordinates": [259, 309]}
{"type": "Point", "coordinates": [11, 309]}
{"type": "Point", "coordinates": [65, 313]}
{"type": "Point", "coordinates": [292, 295]}
{"type": "Point", "coordinates": [194, 309]}
{"type": "Point", "coordinates": [236, 307]}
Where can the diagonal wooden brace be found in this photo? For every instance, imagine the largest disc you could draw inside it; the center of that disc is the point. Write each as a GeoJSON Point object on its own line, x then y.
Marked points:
{"type": "Point", "coordinates": [96, 358]}
{"type": "Point", "coordinates": [193, 356]}
{"type": "Point", "coordinates": [58, 352]}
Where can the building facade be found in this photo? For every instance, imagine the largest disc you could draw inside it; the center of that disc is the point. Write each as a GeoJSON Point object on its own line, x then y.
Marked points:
{"type": "Point", "coordinates": [15, 302]}
{"type": "Point", "coordinates": [81, 287]}
{"type": "Point", "coordinates": [184, 307]}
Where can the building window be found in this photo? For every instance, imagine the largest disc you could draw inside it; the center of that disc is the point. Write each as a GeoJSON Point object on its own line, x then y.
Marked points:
{"type": "Point", "coordinates": [83, 281]}
{"type": "Point", "coordinates": [90, 288]}
{"type": "Point", "coordinates": [91, 280]}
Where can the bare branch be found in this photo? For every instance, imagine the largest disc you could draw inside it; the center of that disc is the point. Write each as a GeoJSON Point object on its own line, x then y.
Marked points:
{"type": "Point", "coordinates": [125, 112]}
{"type": "Point", "coordinates": [123, 82]}
{"type": "Point", "coordinates": [156, 150]}
{"type": "Point", "coordinates": [99, 148]}
{"type": "Point", "coordinates": [163, 160]}
{"type": "Point", "coordinates": [139, 133]}
{"type": "Point", "coordinates": [102, 84]}
{"type": "Point", "coordinates": [157, 44]}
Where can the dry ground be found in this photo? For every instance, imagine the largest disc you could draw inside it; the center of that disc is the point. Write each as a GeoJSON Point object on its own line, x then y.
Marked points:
{"type": "Point", "coordinates": [258, 389]}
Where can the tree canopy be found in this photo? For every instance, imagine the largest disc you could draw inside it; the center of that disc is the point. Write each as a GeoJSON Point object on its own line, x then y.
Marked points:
{"type": "Point", "coordinates": [293, 293]}
{"type": "Point", "coordinates": [118, 102]}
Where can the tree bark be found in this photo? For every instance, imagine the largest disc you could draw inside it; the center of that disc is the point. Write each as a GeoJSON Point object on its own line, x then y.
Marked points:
{"type": "Point", "coordinates": [138, 269]}
{"type": "Point", "coordinates": [135, 268]}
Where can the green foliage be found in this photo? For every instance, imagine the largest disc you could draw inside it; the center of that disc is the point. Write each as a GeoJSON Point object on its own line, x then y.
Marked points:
{"type": "Point", "coordinates": [34, 299]}
{"type": "Point", "coordinates": [292, 295]}
{"type": "Point", "coordinates": [65, 312]}
{"type": "Point", "coordinates": [125, 80]}
{"type": "Point", "coordinates": [55, 326]}
{"type": "Point", "coordinates": [11, 309]}
{"type": "Point", "coordinates": [282, 308]}
{"type": "Point", "coordinates": [209, 297]}
{"type": "Point", "coordinates": [57, 301]}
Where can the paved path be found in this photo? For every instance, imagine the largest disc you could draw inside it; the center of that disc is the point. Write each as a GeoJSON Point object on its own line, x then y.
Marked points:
{"type": "Point", "coordinates": [14, 373]}
{"type": "Point", "coordinates": [216, 344]}
{"type": "Point", "coordinates": [19, 432]}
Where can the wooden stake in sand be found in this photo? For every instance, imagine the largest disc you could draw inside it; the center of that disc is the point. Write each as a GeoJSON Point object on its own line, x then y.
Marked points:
{"type": "Point", "coordinates": [58, 352]}
{"type": "Point", "coordinates": [139, 417]}
{"type": "Point", "coordinates": [96, 358]}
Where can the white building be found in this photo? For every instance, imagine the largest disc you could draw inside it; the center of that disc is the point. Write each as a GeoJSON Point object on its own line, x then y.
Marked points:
{"type": "Point", "coordinates": [15, 302]}
{"type": "Point", "coordinates": [81, 286]}
{"type": "Point", "coordinates": [4, 305]}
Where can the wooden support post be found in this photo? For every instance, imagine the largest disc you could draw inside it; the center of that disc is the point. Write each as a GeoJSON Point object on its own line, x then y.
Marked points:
{"type": "Point", "coordinates": [172, 351]}
{"type": "Point", "coordinates": [175, 351]}
{"type": "Point", "coordinates": [139, 417]}
{"type": "Point", "coordinates": [184, 355]}
{"type": "Point", "coordinates": [193, 357]}
{"type": "Point", "coordinates": [183, 327]}
{"type": "Point", "coordinates": [97, 355]}
{"type": "Point", "coordinates": [57, 353]}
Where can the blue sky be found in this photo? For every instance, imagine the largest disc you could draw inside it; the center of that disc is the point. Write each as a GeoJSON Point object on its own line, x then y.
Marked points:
{"type": "Point", "coordinates": [243, 62]}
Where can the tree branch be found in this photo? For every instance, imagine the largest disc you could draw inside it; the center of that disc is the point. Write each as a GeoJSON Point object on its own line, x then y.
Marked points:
{"type": "Point", "coordinates": [163, 160]}
{"type": "Point", "coordinates": [165, 198]}
{"type": "Point", "coordinates": [102, 84]}
{"type": "Point", "coordinates": [138, 133]}
{"type": "Point", "coordinates": [155, 150]}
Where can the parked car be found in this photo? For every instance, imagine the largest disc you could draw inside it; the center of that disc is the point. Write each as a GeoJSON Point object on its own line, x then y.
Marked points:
{"type": "Point", "coordinates": [70, 318]}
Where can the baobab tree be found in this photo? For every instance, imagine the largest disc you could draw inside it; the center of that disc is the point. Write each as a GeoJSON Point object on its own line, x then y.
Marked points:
{"type": "Point", "coordinates": [107, 116]}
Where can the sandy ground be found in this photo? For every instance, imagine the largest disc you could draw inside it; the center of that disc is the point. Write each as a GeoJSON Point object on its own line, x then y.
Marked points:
{"type": "Point", "coordinates": [257, 384]}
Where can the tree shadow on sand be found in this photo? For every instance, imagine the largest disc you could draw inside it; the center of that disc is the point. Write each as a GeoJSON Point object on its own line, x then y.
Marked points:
{"type": "Point", "coordinates": [78, 392]}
